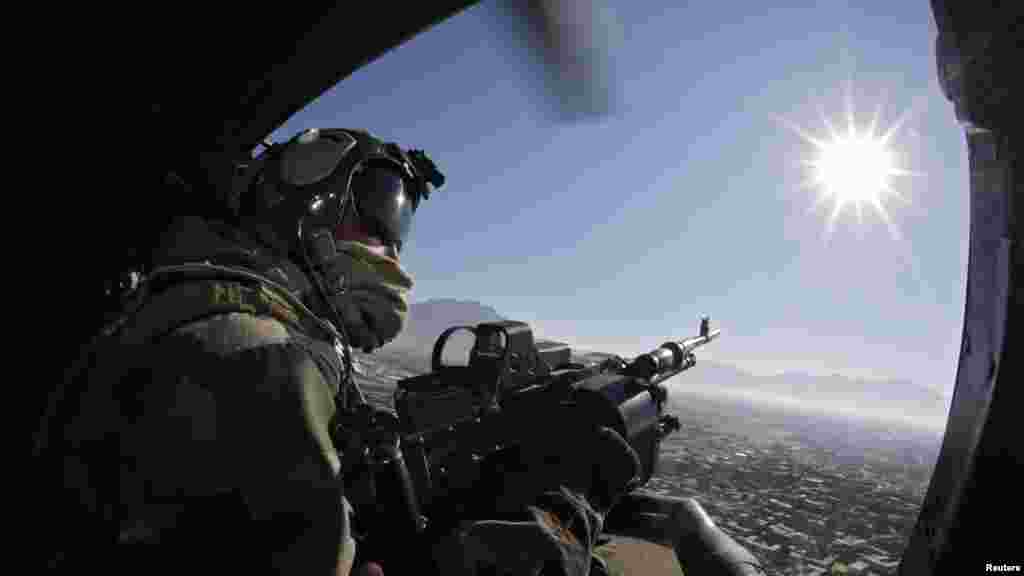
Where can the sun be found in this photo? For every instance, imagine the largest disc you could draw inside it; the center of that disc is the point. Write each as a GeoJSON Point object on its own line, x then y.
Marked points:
{"type": "Point", "coordinates": [854, 167]}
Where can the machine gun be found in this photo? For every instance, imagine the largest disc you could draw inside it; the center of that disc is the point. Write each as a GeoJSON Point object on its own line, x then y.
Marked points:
{"type": "Point", "coordinates": [440, 457]}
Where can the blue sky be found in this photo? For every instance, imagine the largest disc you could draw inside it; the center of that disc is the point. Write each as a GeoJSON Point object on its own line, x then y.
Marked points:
{"type": "Point", "coordinates": [617, 233]}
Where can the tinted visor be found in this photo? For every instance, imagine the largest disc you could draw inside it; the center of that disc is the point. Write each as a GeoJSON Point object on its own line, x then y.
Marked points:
{"type": "Point", "coordinates": [383, 203]}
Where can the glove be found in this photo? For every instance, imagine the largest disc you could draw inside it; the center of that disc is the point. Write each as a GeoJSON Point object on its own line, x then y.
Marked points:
{"type": "Point", "coordinates": [557, 541]}
{"type": "Point", "coordinates": [369, 291]}
{"type": "Point", "coordinates": [597, 463]}
{"type": "Point", "coordinates": [566, 486]}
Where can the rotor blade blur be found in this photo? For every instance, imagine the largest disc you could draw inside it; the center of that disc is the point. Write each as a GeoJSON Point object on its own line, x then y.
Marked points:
{"type": "Point", "coordinates": [566, 48]}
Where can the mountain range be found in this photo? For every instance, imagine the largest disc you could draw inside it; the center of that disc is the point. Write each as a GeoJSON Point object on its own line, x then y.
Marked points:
{"type": "Point", "coordinates": [892, 400]}
{"type": "Point", "coordinates": [426, 321]}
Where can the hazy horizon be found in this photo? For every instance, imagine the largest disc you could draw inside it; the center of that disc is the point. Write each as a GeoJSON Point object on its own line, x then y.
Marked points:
{"type": "Point", "coordinates": [782, 371]}
{"type": "Point", "coordinates": [794, 390]}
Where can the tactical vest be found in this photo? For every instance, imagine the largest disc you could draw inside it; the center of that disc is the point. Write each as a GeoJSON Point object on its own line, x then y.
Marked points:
{"type": "Point", "coordinates": [174, 296]}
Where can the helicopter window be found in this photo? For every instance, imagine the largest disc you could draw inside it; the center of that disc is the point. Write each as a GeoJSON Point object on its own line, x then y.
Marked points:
{"type": "Point", "coordinates": [793, 170]}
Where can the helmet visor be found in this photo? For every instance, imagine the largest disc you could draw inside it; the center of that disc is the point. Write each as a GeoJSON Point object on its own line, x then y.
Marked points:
{"type": "Point", "coordinates": [383, 203]}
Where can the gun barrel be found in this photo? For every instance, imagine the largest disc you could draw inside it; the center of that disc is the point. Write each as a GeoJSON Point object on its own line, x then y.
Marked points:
{"type": "Point", "coordinates": [670, 358]}
{"type": "Point", "coordinates": [693, 343]}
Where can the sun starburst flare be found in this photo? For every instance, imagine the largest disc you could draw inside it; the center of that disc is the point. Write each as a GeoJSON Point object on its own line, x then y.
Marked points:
{"type": "Point", "coordinates": [853, 167]}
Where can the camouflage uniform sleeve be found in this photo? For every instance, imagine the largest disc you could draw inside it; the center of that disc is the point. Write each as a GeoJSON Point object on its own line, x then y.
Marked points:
{"type": "Point", "coordinates": [233, 403]}
{"type": "Point", "coordinates": [275, 394]}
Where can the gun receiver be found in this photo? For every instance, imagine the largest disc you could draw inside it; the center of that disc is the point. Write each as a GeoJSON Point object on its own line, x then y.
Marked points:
{"type": "Point", "coordinates": [461, 429]}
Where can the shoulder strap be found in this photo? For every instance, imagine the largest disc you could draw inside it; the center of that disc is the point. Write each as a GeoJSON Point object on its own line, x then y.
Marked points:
{"type": "Point", "coordinates": [176, 295]}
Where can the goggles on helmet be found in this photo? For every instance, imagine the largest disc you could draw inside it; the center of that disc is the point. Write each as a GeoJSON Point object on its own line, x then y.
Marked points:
{"type": "Point", "coordinates": [349, 170]}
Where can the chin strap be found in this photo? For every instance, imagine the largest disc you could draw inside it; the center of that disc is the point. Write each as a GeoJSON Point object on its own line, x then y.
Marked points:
{"type": "Point", "coordinates": [321, 244]}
